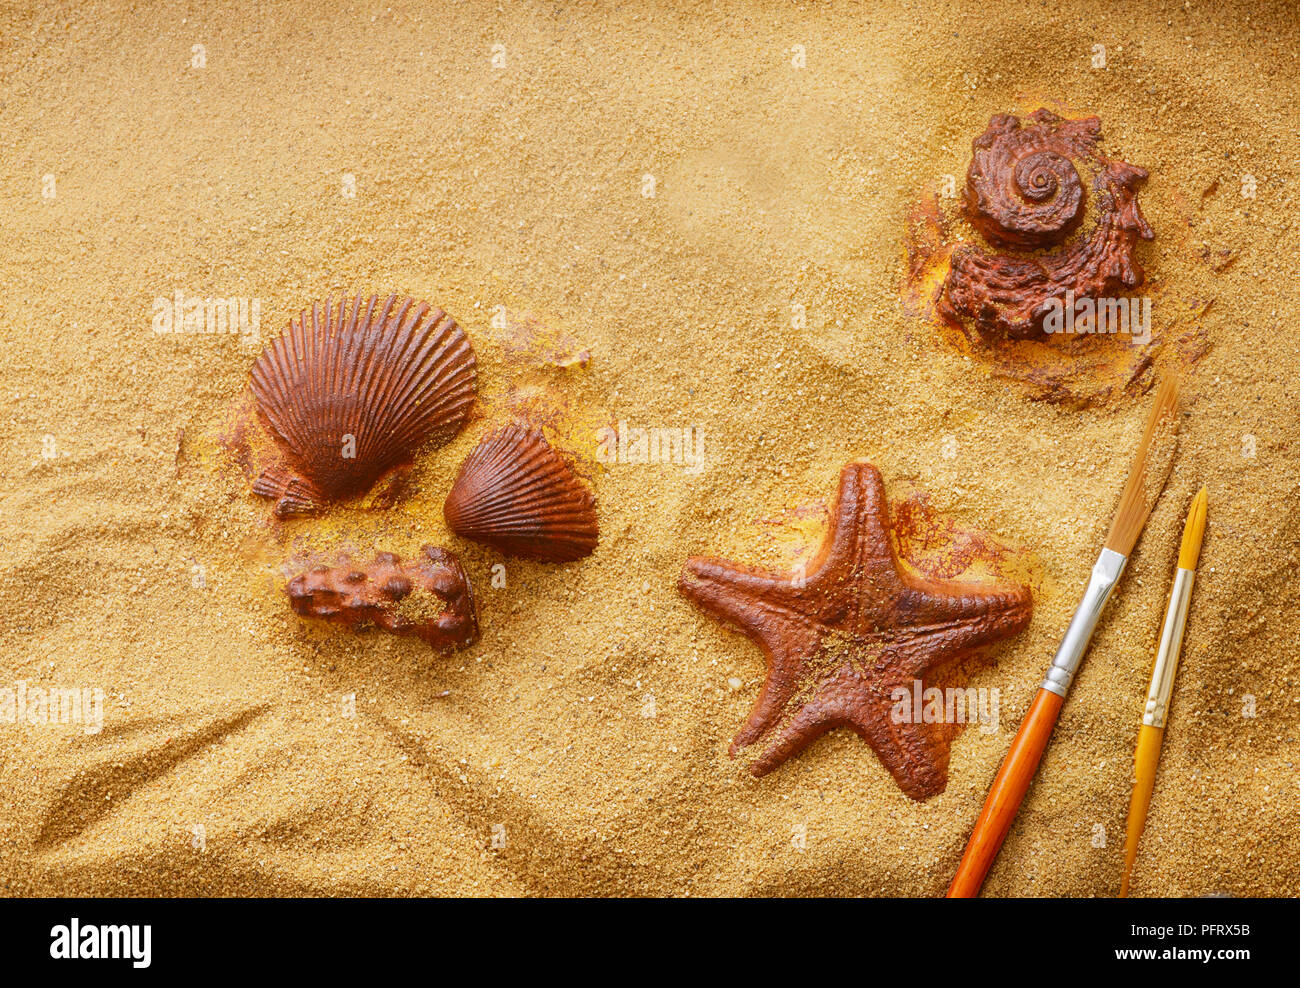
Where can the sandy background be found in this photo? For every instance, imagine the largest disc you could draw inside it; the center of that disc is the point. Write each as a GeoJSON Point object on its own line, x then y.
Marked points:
{"type": "Point", "coordinates": [521, 186]}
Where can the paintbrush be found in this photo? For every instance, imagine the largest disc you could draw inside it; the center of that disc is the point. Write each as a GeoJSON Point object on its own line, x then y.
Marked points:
{"type": "Point", "coordinates": [1152, 731]}
{"type": "Point", "coordinates": [1146, 480]}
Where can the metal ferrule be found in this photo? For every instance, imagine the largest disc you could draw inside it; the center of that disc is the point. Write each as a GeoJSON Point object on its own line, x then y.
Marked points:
{"type": "Point", "coordinates": [1105, 574]}
{"type": "Point", "coordinates": [1171, 642]}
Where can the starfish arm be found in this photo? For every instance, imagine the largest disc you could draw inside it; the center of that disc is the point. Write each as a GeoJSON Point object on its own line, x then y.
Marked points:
{"type": "Point", "coordinates": [942, 621]}
{"type": "Point", "coordinates": [832, 704]}
{"type": "Point", "coordinates": [915, 755]}
{"type": "Point", "coordinates": [858, 540]}
{"type": "Point", "coordinates": [785, 672]}
{"type": "Point", "coordinates": [760, 604]}
{"type": "Point", "coordinates": [791, 737]}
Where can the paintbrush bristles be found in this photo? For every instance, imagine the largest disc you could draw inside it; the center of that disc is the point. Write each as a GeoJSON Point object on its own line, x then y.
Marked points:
{"type": "Point", "coordinates": [1194, 531]}
{"type": "Point", "coordinates": [1150, 470]}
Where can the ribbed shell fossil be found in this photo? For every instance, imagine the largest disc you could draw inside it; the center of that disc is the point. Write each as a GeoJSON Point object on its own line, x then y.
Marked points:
{"type": "Point", "coordinates": [350, 392]}
{"type": "Point", "coordinates": [429, 598]}
{"type": "Point", "coordinates": [517, 493]}
{"type": "Point", "coordinates": [1024, 191]}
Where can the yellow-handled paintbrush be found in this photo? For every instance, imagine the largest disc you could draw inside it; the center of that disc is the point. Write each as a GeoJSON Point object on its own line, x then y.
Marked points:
{"type": "Point", "coordinates": [1146, 479]}
{"type": "Point", "coordinates": [1152, 732]}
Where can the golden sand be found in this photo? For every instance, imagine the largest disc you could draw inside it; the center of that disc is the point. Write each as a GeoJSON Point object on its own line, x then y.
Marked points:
{"type": "Point", "coordinates": [581, 747]}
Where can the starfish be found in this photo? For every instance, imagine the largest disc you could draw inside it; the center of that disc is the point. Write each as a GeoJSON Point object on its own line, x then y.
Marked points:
{"type": "Point", "coordinates": [842, 638]}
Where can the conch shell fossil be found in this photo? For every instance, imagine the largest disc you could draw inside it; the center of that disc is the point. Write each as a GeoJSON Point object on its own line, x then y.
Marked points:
{"type": "Point", "coordinates": [349, 393]}
{"type": "Point", "coordinates": [517, 493]}
{"type": "Point", "coordinates": [429, 598]}
{"type": "Point", "coordinates": [1024, 192]}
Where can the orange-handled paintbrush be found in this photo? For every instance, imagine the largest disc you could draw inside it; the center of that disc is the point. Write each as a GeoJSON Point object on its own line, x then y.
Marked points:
{"type": "Point", "coordinates": [1146, 480]}
{"type": "Point", "coordinates": [1152, 732]}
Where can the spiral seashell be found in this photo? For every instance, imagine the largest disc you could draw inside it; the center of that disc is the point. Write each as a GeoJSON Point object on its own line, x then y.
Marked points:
{"type": "Point", "coordinates": [1023, 189]}
{"type": "Point", "coordinates": [429, 598]}
{"type": "Point", "coordinates": [350, 392]}
{"type": "Point", "coordinates": [517, 493]}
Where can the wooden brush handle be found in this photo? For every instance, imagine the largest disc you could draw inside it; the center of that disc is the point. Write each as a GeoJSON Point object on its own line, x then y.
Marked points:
{"type": "Point", "coordinates": [1004, 798]}
{"type": "Point", "coordinates": [1145, 760]}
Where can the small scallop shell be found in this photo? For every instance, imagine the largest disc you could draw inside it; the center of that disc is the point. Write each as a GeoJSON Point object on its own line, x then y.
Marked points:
{"type": "Point", "coordinates": [349, 394]}
{"type": "Point", "coordinates": [517, 493]}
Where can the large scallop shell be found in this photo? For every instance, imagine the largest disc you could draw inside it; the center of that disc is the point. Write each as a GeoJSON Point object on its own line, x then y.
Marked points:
{"type": "Point", "coordinates": [349, 393]}
{"type": "Point", "coordinates": [517, 493]}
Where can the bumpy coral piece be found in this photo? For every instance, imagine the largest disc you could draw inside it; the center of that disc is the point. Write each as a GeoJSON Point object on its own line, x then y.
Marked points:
{"type": "Point", "coordinates": [1023, 190]}
{"type": "Point", "coordinates": [429, 598]}
{"type": "Point", "coordinates": [350, 392]}
{"type": "Point", "coordinates": [841, 638]}
{"type": "Point", "coordinates": [517, 493]}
